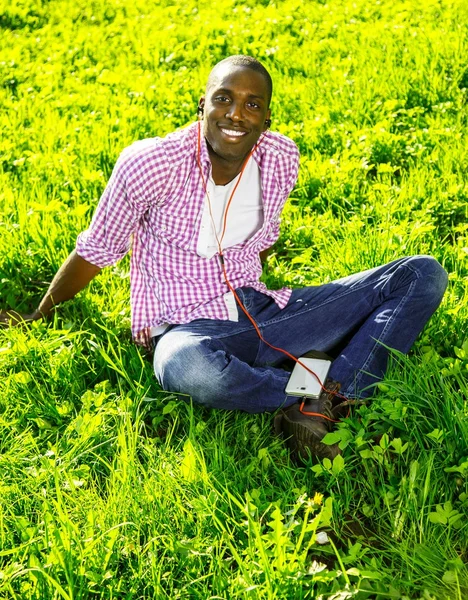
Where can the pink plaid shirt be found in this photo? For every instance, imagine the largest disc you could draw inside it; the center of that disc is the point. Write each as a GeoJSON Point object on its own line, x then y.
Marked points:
{"type": "Point", "coordinates": [154, 202]}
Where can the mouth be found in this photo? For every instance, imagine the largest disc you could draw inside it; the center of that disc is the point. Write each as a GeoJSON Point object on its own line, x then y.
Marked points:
{"type": "Point", "coordinates": [232, 133]}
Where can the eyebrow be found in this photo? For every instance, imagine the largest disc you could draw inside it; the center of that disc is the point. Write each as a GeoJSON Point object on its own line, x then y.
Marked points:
{"type": "Point", "coordinates": [228, 91]}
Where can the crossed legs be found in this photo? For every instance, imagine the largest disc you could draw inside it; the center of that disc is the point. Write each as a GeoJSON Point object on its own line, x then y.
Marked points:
{"type": "Point", "coordinates": [223, 364]}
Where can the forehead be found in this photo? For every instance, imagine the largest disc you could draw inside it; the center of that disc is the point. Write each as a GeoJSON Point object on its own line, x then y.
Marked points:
{"type": "Point", "coordinates": [238, 79]}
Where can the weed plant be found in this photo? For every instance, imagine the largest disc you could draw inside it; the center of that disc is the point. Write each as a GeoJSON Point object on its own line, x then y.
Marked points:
{"type": "Point", "coordinates": [111, 488]}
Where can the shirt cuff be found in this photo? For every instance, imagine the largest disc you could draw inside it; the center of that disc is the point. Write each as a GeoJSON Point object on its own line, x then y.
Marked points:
{"type": "Point", "coordinates": [96, 254]}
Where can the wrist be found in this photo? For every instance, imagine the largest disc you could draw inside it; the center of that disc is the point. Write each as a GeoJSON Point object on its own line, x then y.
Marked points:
{"type": "Point", "coordinates": [37, 314]}
{"type": "Point", "coordinates": [44, 309]}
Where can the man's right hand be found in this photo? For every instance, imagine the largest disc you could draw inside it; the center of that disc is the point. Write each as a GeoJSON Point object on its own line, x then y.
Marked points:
{"type": "Point", "coordinates": [11, 318]}
{"type": "Point", "coordinates": [71, 278]}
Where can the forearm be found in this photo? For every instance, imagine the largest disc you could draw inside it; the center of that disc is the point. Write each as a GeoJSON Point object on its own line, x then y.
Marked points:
{"type": "Point", "coordinates": [74, 275]}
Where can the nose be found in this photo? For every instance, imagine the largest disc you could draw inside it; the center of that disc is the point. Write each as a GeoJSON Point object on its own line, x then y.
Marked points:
{"type": "Point", "coordinates": [235, 112]}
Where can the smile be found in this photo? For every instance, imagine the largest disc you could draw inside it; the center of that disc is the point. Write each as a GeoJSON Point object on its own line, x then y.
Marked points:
{"type": "Point", "coordinates": [233, 133]}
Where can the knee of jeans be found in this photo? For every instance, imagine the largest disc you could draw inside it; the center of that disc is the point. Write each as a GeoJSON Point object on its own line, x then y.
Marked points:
{"type": "Point", "coordinates": [433, 277]}
{"type": "Point", "coordinates": [185, 364]}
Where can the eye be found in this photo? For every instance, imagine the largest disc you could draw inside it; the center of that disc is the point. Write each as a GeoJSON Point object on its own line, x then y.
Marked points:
{"type": "Point", "coordinates": [254, 105]}
{"type": "Point", "coordinates": [221, 99]}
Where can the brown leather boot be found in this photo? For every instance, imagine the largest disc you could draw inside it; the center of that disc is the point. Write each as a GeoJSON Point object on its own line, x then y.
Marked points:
{"type": "Point", "coordinates": [304, 433]}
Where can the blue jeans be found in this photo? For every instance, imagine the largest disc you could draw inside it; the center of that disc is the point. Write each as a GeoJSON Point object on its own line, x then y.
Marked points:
{"type": "Point", "coordinates": [223, 364]}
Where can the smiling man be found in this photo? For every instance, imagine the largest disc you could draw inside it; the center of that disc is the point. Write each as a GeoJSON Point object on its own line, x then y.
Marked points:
{"type": "Point", "coordinates": [201, 206]}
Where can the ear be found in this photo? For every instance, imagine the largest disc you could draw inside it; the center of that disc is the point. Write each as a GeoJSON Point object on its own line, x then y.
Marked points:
{"type": "Point", "coordinates": [201, 106]}
{"type": "Point", "coordinates": [267, 120]}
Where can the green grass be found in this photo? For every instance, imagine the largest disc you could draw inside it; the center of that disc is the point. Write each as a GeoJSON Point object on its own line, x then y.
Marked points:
{"type": "Point", "coordinates": [111, 488]}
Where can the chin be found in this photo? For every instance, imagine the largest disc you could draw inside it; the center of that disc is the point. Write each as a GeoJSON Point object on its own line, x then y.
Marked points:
{"type": "Point", "coordinates": [228, 153]}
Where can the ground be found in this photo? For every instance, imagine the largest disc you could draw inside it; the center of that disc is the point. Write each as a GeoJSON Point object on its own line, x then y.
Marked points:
{"type": "Point", "coordinates": [111, 488]}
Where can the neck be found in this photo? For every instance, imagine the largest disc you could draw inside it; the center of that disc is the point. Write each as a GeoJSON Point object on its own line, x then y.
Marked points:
{"type": "Point", "coordinates": [223, 171]}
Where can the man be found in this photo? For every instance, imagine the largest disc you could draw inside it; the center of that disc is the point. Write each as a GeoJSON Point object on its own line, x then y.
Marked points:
{"type": "Point", "coordinates": [202, 205]}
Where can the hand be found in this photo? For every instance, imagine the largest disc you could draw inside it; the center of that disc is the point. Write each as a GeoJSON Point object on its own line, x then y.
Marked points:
{"type": "Point", "coordinates": [72, 277]}
{"type": "Point", "coordinates": [11, 318]}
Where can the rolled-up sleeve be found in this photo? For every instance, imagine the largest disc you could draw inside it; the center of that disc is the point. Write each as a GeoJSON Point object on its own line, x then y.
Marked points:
{"type": "Point", "coordinates": [135, 184]}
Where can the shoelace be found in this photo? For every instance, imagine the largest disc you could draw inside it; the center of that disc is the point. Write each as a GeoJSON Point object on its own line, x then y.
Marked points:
{"type": "Point", "coordinates": [325, 409]}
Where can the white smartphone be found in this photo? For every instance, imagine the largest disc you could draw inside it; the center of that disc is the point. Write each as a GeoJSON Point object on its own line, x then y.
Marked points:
{"type": "Point", "coordinates": [303, 383]}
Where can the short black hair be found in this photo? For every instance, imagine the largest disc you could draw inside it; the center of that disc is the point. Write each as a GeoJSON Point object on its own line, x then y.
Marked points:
{"type": "Point", "coordinates": [240, 60]}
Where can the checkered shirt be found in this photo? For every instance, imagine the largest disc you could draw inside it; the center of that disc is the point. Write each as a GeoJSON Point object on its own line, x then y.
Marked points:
{"type": "Point", "coordinates": [154, 202]}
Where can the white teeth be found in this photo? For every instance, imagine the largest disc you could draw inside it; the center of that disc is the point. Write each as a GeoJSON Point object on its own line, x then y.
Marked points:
{"type": "Point", "coordinates": [233, 133]}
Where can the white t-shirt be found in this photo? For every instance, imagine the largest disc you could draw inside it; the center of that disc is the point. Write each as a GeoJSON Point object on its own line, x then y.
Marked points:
{"type": "Point", "coordinates": [245, 215]}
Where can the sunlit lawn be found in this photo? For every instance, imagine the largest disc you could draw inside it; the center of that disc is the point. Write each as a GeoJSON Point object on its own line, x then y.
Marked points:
{"type": "Point", "coordinates": [111, 488]}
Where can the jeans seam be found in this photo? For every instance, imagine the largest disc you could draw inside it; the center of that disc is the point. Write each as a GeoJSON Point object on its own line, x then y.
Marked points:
{"type": "Point", "coordinates": [228, 335]}
{"type": "Point", "coordinates": [259, 347]}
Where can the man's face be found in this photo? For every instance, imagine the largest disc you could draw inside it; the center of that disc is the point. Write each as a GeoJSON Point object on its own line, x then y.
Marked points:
{"type": "Point", "coordinates": [235, 110]}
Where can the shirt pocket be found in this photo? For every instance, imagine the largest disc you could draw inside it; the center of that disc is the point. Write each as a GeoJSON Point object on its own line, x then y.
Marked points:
{"type": "Point", "coordinates": [172, 228]}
